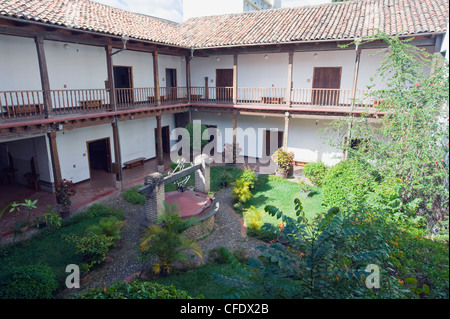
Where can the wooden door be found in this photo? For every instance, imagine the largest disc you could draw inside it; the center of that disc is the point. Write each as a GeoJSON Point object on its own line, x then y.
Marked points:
{"type": "Point", "coordinates": [123, 82]}
{"type": "Point", "coordinates": [224, 84]}
{"type": "Point", "coordinates": [326, 85]}
{"type": "Point", "coordinates": [171, 84]}
{"type": "Point", "coordinates": [99, 155]}
{"type": "Point", "coordinates": [165, 139]}
{"type": "Point", "coordinates": [213, 138]}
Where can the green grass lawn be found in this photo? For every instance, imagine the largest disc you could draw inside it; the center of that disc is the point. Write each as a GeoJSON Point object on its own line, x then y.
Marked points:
{"type": "Point", "coordinates": [281, 193]}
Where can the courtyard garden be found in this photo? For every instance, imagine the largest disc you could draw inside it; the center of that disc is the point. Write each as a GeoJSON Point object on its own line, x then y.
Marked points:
{"type": "Point", "coordinates": [373, 226]}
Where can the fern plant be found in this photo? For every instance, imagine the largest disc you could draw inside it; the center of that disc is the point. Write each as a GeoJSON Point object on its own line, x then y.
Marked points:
{"type": "Point", "coordinates": [167, 242]}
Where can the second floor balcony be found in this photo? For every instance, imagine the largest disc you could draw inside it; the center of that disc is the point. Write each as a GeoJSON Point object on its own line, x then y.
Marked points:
{"type": "Point", "coordinates": [31, 103]}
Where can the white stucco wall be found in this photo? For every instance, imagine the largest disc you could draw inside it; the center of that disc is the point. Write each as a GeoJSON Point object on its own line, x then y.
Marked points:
{"type": "Point", "coordinates": [171, 62]}
{"type": "Point", "coordinates": [254, 70]}
{"type": "Point", "coordinates": [142, 66]}
{"type": "Point", "coordinates": [18, 64]}
{"type": "Point", "coordinates": [75, 66]}
{"type": "Point", "coordinates": [202, 67]}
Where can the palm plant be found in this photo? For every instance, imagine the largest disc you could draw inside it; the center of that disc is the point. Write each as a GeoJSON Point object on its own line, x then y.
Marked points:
{"type": "Point", "coordinates": [167, 242]}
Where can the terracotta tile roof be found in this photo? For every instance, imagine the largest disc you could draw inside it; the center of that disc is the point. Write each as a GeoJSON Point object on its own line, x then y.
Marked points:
{"type": "Point", "coordinates": [335, 21]}
{"type": "Point", "coordinates": [92, 16]}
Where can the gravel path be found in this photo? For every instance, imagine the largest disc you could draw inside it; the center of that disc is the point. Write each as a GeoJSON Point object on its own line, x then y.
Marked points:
{"type": "Point", "coordinates": [122, 261]}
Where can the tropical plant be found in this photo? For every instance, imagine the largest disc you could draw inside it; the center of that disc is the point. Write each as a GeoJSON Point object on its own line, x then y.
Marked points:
{"type": "Point", "coordinates": [52, 218]}
{"type": "Point", "coordinates": [283, 159]}
{"type": "Point", "coordinates": [316, 259]}
{"type": "Point", "coordinates": [64, 191]}
{"type": "Point", "coordinates": [241, 190]}
{"type": "Point", "coordinates": [15, 208]}
{"type": "Point", "coordinates": [315, 172]}
{"type": "Point", "coordinates": [168, 242]}
{"type": "Point", "coordinates": [253, 218]}
{"type": "Point", "coordinates": [411, 140]}
{"type": "Point", "coordinates": [137, 289]}
{"type": "Point", "coordinates": [108, 226]}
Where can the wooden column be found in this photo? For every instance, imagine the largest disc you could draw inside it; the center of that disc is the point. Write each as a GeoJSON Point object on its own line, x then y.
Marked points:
{"type": "Point", "coordinates": [286, 130]}
{"type": "Point", "coordinates": [356, 73]}
{"type": "Point", "coordinates": [159, 149]}
{"type": "Point", "coordinates": [48, 107]}
{"type": "Point", "coordinates": [109, 84]}
{"type": "Point", "coordinates": [206, 88]}
{"type": "Point", "coordinates": [156, 78]}
{"type": "Point", "coordinates": [290, 73]}
{"type": "Point", "coordinates": [235, 77]}
{"type": "Point", "coordinates": [56, 168]}
{"type": "Point", "coordinates": [117, 154]}
{"type": "Point", "coordinates": [234, 135]}
{"type": "Point", "coordinates": [188, 78]}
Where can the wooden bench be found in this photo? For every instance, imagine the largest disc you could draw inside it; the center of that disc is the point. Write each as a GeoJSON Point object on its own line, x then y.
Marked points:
{"type": "Point", "coordinates": [24, 110]}
{"type": "Point", "coordinates": [91, 104]}
{"type": "Point", "coordinates": [135, 162]}
{"type": "Point", "coordinates": [272, 100]}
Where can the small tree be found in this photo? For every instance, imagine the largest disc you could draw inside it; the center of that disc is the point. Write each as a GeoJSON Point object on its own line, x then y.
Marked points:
{"type": "Point", "coordinates": [411, 140]}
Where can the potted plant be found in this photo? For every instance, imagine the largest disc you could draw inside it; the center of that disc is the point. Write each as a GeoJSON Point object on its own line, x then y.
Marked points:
{"type": "Point", "coordinates": [305, 189]}
{"type": "Point", "coordinates": [22, 225]}
{"type": "Point", "coordinates": [64, 191]}
{"type": "Point", "coordinates": [284, 161]}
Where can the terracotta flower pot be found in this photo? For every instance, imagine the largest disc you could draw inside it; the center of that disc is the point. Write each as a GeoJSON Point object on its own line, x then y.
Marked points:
{"type": "Point", "coordinates": [63, 210]}
{"type": "Point", "coordinates": [281, 174]}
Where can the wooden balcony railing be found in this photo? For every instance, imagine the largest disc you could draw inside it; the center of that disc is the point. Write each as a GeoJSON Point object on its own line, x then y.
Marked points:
{"type": "Point", "coordinates": [17, 104]}
{"type": "Point", "coordinates": [21, 104]}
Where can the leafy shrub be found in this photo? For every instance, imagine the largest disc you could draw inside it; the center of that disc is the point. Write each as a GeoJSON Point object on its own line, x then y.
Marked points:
{"type": "Point", "coordinates": [348, 183]}
{"type": "Point", "coordinates": [253, 218]}
{"type": "Point", "coordinates": [168, 243]}
{"type": "Point", "coordinates": [136, 289]}
{"type": "Point", "coordinates": [244, 184]}
{"type": "Point", "coordinates": [386, 196]}
{"type": "Point", "coordinates": [132, 196]}
{"type": "Point", "coordinates": [315, 172]}
{"type": "Point", "coordinates": [225, 178]}
{"type": "Point", "coordinates": [190, 129]}
{"type": "Point", "coordinates": [28, 282]}
{"type": "Point", "coordinates": [108, 226]}
{"type": "Point", "coordinates": [92, 247]}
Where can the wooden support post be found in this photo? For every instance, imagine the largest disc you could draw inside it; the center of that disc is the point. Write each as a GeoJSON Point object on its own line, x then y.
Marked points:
{"type": "Point", "coordinates": [109, 84]}
{"type": "Point", "coordinates": [286, 131]}
{"type": "Point", "coordinates": [48, 107]}
{"type": "Point", "coordinates": [56, 168]}
{"type": "Point", "coordinates": [159, 149]}
{"type": "Point", "coordinates": [206, 89]}
{"type": "Point", "coordinates": [234, 136]}
{"type": "Point", "coordinates": [117, 154]}
{"type": "Point", "coordinates": [356, 73]}
{"type": "Point", "coordinates": [188, 78]}
{"type": "Point", "coordinates": [235, 77]}
{"type": "Point", "coordinates": [156, 78]}
{"type": "Point", "coordinates": [289, 83]}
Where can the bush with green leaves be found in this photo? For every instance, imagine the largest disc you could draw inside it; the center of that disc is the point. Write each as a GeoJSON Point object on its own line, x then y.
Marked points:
{"type": "Point", "coordinates": [28, 282]}
{"type": "Point", "coordinates": [243, 186]}
{"type": "Point", "coordinates": [132, 196]}
{"type": "Point", "coordinates": [92, 247]}
{"type": "Point", "coordinates": [315, 172]}
{"type": "Point", "coordinates": [137, 289]}
{"type": "Point", "coordinates": [348, 183]}
{"type": "Point", "coordinates": [108, 226]}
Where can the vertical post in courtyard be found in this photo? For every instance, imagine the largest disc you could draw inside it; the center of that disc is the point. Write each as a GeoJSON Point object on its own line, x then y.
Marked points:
{"type": "Point", "coordinates": [56, 168]}
{"type": "Point", "coordinates": [188, 78]}
{"type": "Point", "coordinates": [290, 74]}
{"type": "Point", "coordinates": [118, 169]}
{"type": "Point", "coordinates": [156, 78]}
{"type": "Point", "coordinates": [235, 77]}
{"type": "Point", "coordinates": [39, 40]}
{"type": "Point", "coordinates": [234, 136]}
{"type": "Point", "coordinates": [286, 130]}
{"type": "Point", "coordinates": [159, 150]}
{"type": "Point", "coordinates": [354, 87]}
{"type": "Point", "coordinates": [110, 81]}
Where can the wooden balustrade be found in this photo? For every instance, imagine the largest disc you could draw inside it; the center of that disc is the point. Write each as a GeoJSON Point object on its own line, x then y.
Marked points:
{"type": "Point", "coordinates": [17, 104]}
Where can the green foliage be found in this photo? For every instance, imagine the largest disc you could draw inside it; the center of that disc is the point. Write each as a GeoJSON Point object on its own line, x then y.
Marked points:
{"type": "Point", "coordinates": [190, 129]}
{"type": "Point", "coordinates": [108, 226]}
{"type": "Point", "coordinates": [28, 282]}
{"type": "Point", "coordinates": [283, 159]}
{"type": "Point", "coordinates": [315, 172]}
{"type": "Point", "coordinates": [52, 218]}
{"type": "Point", "coordinates": [348, 183]}
{"type": "Point", "coordinates": [132, 196]}
{"type": "Point", "coordinates": [92, 247]}
{"type": "Point", "coordinates": [137, 289]}
{"type": "Point", "coordinates": [411, 141]}
{"type": "Point", "coordinates": [244, 184]}
{"type": "Point", "coordinates": [253, 218]}
{"type": "Point", "coordinates": [168, 243]}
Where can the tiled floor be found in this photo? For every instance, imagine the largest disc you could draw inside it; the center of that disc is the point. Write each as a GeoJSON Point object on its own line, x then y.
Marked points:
{"type": "Point", "coordinates": [101, 185]}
